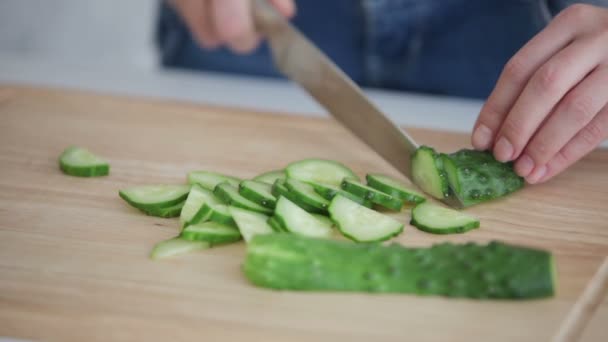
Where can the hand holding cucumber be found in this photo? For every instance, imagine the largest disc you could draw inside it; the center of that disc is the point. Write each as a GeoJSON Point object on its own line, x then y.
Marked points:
{"type": "Point", "coordinates": [550, 105]}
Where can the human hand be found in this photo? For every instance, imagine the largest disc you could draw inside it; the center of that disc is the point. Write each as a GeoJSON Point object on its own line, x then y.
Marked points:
{"type": "Point", "coordinates": [550, 105]}
{"type": "Point", "coordinates": [225, 22]}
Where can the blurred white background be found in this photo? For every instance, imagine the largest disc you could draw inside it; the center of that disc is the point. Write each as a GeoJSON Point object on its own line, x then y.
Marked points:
{"type": "Point", "coordinates": [98, 33]}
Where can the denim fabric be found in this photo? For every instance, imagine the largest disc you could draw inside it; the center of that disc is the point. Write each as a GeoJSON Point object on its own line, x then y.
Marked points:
{"type": "Point", "coordinates": [452, 47]}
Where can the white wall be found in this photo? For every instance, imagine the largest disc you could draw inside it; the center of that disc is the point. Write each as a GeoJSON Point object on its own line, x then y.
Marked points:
{"type": "Point", "coordinates": [104, 33]}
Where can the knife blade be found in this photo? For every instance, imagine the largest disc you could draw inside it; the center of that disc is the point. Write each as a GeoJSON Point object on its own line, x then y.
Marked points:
{"type": "Point", "coordinates": [302, 62]}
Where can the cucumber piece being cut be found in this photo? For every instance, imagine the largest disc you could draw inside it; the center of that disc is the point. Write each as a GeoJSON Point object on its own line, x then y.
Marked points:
{"type": "Point", "coordinates": [276, 225]}
{"type": "Point", "coordinates": [375, 196]}
{"type": "Point", "coordinates": [250, 223]}
{"type": "Point", "coordinates": [230, 195]}
{"type": "Point", "coordinates": [394, 188]}
{"type": "Point", "coordinates": [80, 162]}
{"type": "Point", "coordinates": [193, 208]}
{"type": "Point", "coordinates": [476, 176]}
{"type": "Point", "coordinates": [165, 212]}
{"type": "Point", "coordinates": [428, 173]}
{"type": "Point", "coordinates": [209, 180]}
{"type": "Point", "coordinates": [176, 246]}
{"type": "Point", "coordinates": [155, 196]}
{"type": "Point", "coordinates": [297, 220]}
{"type": "Point", "coordinates": [329, 192]}
{"type": "Point", "coordinates": [319, 171]}
{"type": "Point", "coordinates": [258, 192]}
{"type": "Point", "coordinates": [211, 232]}
{"type": "Point", "coordinates": [495, 270]}
{"type": "Point", "coordinates": [305, 193]}
{"type": "Point", "coordinates": [440, 220]}
{"type": "Point", "coordinates": [279, 189]}
{"type": "Point", "coordinates": [270, 177]}
{"type": "Point", "coordinates": [362, 224]}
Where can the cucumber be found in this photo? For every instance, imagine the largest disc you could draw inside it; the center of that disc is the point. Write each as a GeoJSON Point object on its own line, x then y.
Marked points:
{"type": "Point", "coordinates": [276, 225]}
{"type": "Point", "coordinates": [218, 213]}
{"type": "Point", "coordinates": [154, 196]}
{"type": "Point", "coordinates": [211, 232]}
{"type": "Point", "coordinates": [375, 196]}
{"type": "Point", "coordinates": [439, 220]}
{"type": "Point", "coordinates": [209, 180]}
{"type": "Point", "coordinates": [230, 195]}
{"type": "Point", "coordinates": [250, 223]}
{"type": "Point", "coordinates": [329, 192]}
{"type": "Point", "coordinates": [394, 188]}
{"type": "Point", "coordinates": [258, 192]}
{"type": "Point", "coordinates": [165, 212]}
{"type": "Point", "coordinates": [297, 220]}
{"type": "Point", "coordinates": [80, 162]}
{"type": "Point", "coordinates": [326, 221]}
{"type": "Point", "coordinates": [279, 189]}
{"type": "Point", "coordinates": [494, 270]}
{"type": "Point", "coordinates": [305, 193]}
{"type": "Point", "coordinates": [362, 224]}
{"type": "Point", "coordinates": [270, 177]}
{"type": "Point", "coordinates": [476, 176]}
{"type": "Point", "coordinates": [428, 173]}
{"type": "Point", "coordinates": [193, 208]}
{"type": "Point", "coordinates": [319, 171]}
{"type": "Point", "coordinates": [176, 246]}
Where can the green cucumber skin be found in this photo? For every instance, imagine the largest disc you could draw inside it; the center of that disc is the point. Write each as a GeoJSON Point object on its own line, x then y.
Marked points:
{"type": "Point", "coordinates": [319, 206]}
{"type": "Point", "coordinates": [224, 195]}
{"type": "Point", "coordinates": [176, 246]}
{"type": "Point", "coordinates": [165, 212]}
{"type": "Point", "coordinates": [329, 192]}
{"type": "Point", "coordinates": [210, 214]}
{"type": "Point", "coordinates": [492, 271]}
{"type": "Point", "coordinates": [438, 163]}
{"type": "Point", "coordinates": [276, 225]}
{"type": "Point", "coordinates": [213, 239]}
{"type": "Point", "coordinates": [88, 171]}
{"type": "Point", "coordinates": [279, 189]}
{"type": "Point", "coordinates": [147, 207]}
{"type": "Point", "coordinates": [408, 197]}
{"type": "Point", "coordinates": [373, 195]}
{"type": "Point", "coordinates": [454, 230]}
{"type": "Point", "coordinates": [253, 196]}
{"type": "Point", "coordinates": [270, 177]}
{"type": "Point", "coordinates": [476, 176]}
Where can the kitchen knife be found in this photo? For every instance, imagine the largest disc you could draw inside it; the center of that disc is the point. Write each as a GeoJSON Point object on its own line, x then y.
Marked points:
{"type": "Point", "coordinates": [302, 62]}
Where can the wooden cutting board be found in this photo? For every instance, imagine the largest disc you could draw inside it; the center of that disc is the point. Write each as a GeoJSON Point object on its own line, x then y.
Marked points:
{"type": "Point", "coordinates": [74, 257]}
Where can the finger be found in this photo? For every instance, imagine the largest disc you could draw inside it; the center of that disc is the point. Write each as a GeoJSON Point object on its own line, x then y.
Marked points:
{"type": "Point", "coordinates": [583, 142]}
{"type": "Point", "coordinates": [196, 14]}
{"type": "Point", "coordinates": [516, 73]}
{"type": "Point", "coordinates": [234, 24]}
{"type": "Point", "coordinates": [286, 7]}
{"type": "Point", "coordinates": [545, 89]}
{"type": "Point", "coordinates": [573, 113]}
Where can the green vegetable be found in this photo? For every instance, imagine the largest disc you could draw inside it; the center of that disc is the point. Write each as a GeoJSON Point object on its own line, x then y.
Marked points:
{"type": "Point", "coordinates": [428, 173]}
{"type": "Point", "coordinates": [305, 193]}
{"type": "Point", "coordinates": [329, 192]}
{"type": "Point", "coordinates": [375, 196]}
{"type": "Point", "coordinates": [165, 212]}
{"type": "Point", "coordinates": [394, 188]}
{"type": "Point", "coordinates": [495, 270]}
{"type": "Point", "coordinates": [80, 162]}
{"type": "Point", "coordinates": [270, 177]}
{"type": "Point", "coordinates": [476, 176]}
{"type": "Point", "coordinates": [258, 192]}
{"type": "Point", "coordinates": [319, 171]}
{"type": "Point", "coordinates": [362, 224]}
{"type": "Point", "coordinates": [192, 211]}
{"type": "Point", "coordinates": [279, 189]}
{"type": "Point", "coordinates": [209, 180]}
{"type": "Point", "coordinates": [176, 246]}
{"type": "Point", "coordinates": [276, 225]}
{"type": "Point", "coordinates": [250, 223]}
{"type": "Point", "coordinates": [439, 220]}
{"type": "Point", "coordinates": [230, 195]}
{"type": "Point", "coordinates": [212, 232]}
{"type": "Point", "coordinates": [150, 197]}
{"type": "Point", "coordinates": [297, 220]}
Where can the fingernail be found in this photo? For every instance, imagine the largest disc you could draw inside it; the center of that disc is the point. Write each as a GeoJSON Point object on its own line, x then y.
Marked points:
{"type": "Point", "coordinates": [482, 137]}
{"type": "Point", "coordinates": [503, 151]}
{"type": "Point", "coordinates": [524, 165]}
{"type": "Point", "coordinates": [537, 175]}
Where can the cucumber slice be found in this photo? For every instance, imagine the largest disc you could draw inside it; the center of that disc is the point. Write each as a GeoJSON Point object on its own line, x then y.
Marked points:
{"type": "Point", "coordinates": [193, 208]}
{"type": "Point", "coordinates": [494, 270]}
{"type": "Point", "coordinates": [319, 171]}
{"type": "Point", "coordinates": [258, 192]}
{"type": "Point", "coordinates": [394, 188]}
{"type": "Point", "coordinates": [176, 246]}
{"type": "Point", "coordinates": [476, 176]}
{"type": "Point", "coordinates": [165, 212]}
{"type": "Point", "coordinates": [270, 177]}
{"type": "Point", "coordinates": [305, 193]}
{"type": "Point", "coordinates": [439, 220]}
{"type": "Point", "coordinates": [279, 189]}
{"type": "Point", "coordinates": [250, 223]}
{"type": "Point", "coordinates": [326, 221]}
{"type": "Point", "coordinates": [218, 213]}
{"type": "Point", "coordinates": [329, 192]}
{"type": "Point", "coordinates": [209, 180]}
{"type": "Point", "coordinates": [80, 162]}
{"type": "Point", "coordinates": [154, 196]}
{"type": "Point", "coordinates": [230, 195]}
{"type": "Point", "coordinates": [211, 232]}
{"type": "Point", "coordinates": [299, 221]}
{"type": "Point", "coordinates": [428, 173]}
{"type": "Point", "coordinates": [362, 224]}
{"type": "Point", "coordinates": [375, 196]}
{"type": "Point", "coordinates": [276, 225]}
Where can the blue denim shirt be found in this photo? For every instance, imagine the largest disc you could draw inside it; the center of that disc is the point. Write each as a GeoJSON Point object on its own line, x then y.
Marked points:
{"type": "Point", "coordinates": [450, 47]}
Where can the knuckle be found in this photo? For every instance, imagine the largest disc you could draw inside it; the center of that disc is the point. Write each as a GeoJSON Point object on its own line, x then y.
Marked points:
{"type": "Point", "coordinates": [515, 69]}
{"type": "Point", "coordinates": [592, 134]}
{"type": "Point", "coordinates": [513, 129]}
{"type": "Point", "coordinates": [539, 150]}
{"type": "Point", "coordinates": [547, 78]}
{"type": "Point", "coordinates": [579, 108]}
{"type": "Point", "coordinates": [576, 13]}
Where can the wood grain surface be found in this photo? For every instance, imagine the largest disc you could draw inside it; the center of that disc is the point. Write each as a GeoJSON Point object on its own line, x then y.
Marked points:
{"type": "Point", "coordinates": [74, 257]}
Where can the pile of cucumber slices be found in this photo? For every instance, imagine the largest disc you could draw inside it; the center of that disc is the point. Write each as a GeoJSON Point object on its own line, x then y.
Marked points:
{"type": "Point", "coordinates": [293, 220]}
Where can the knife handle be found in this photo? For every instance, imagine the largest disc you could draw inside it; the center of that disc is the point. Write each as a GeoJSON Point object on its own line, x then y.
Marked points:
{"type": "Point", "coordinates": [266, 18]}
